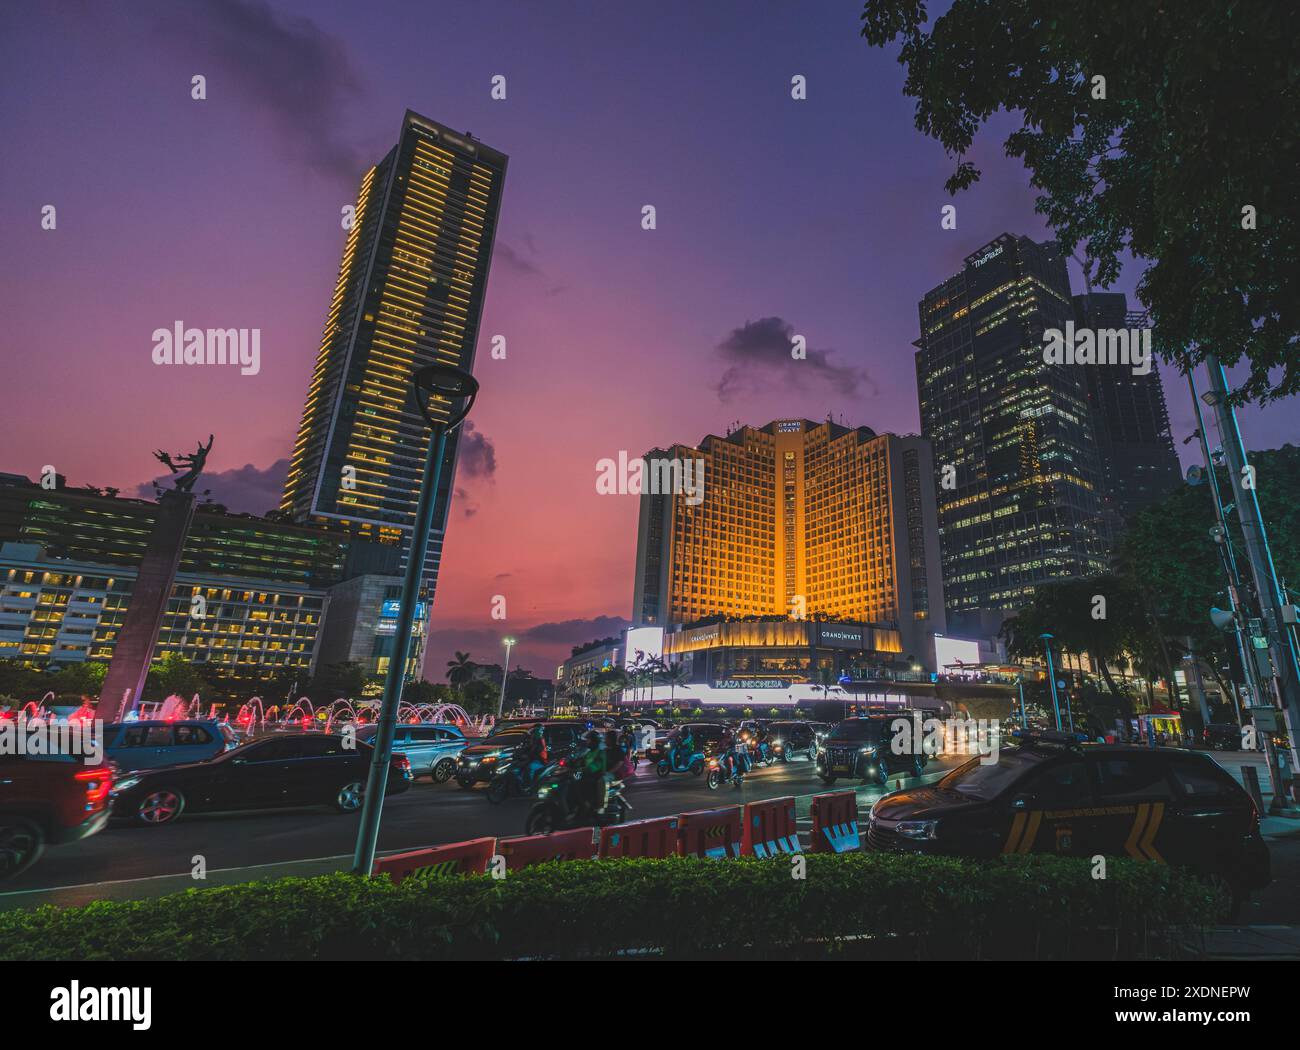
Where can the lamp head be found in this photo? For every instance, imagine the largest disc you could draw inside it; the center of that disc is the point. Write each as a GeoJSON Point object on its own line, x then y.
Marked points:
{"type": "Point", "coordinates": [449, 383]}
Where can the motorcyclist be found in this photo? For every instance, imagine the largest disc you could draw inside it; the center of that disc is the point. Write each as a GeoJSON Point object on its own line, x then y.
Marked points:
{"type": "Point", "coordinates": [530, 756]}
{"type": "Point", "coordinates": [589, 775]}
{"type": "Point", "coordinates": [685, 748]}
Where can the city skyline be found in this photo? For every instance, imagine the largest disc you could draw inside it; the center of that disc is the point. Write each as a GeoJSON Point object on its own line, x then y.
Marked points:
{"type": "Point", "coordinates": [602, 318]}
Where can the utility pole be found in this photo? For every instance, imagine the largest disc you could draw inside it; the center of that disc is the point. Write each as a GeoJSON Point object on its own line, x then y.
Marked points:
{"type": "Point", "coordinates": [1051, 677]}
{"type": "Point", "coordinates": [1223, 540]}
{"type": "Point", "coordinates": [1255, 535]}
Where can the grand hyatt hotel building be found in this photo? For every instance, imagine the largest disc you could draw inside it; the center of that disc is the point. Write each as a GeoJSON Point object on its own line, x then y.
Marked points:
{"type": "Point", "coordinates": [797, 519]}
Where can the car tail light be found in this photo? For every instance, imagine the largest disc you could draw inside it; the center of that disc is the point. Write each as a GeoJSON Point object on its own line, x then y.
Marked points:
{"type": "Point", "coordinates": [98, 782]}
{"type": "Point", "coordinates": [402, 762]}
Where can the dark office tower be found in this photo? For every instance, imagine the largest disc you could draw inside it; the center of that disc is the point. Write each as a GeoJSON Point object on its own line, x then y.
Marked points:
{"type": "Point", "coordinates": [1138, 461]}
{"type": "Point", "coordinates": [1017, 473]}
{"type": "Point", "coordinates": [409, 292]}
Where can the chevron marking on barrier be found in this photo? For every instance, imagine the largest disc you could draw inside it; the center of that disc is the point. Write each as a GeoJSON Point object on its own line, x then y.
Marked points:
{"type": "Point", "coordinates": [436, 871]}
{"type": "Point", "coordinates": [843, 837]}
{"type": "Point", "coordinates": [786, 844]}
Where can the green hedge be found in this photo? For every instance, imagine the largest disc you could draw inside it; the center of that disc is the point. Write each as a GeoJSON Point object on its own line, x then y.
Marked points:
{"type": "Point", "coordinates": [861, 904]}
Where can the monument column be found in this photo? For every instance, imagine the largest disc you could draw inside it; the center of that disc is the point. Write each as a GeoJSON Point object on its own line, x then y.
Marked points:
{"type": "Point", "coordinates": [133, 651]}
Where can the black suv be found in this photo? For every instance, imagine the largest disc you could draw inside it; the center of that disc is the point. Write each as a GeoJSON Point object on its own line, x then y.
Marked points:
{"type": "Point", "coordinates": [792, 738]}
{"type": "Point", "coordinates": [480, 762]}
{"type": "Point", "coordinates": [1167, 805]}
{"type": "Point", "coordinates": [860, 749]}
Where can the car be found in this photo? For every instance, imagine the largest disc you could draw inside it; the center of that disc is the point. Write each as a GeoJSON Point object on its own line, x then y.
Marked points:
{"type": "Point", "coordinates": [432, 749]}
{"type": "Point", "coordinates": [479, 762]}
{"type": "Point", "coordinates": [789, 739]}
{"type": "Point", "coordinates": [48, 800]}
{"type": "Point", "coordinates": [1222, 736]}
{"type": "Point", "coordinates": [861, 749]}
{"type": "Point", "coordinates": [1054, 795]}
{"type": "Point", "coordinates": [150, 744]}
{"type": "Point", "coordinates": [284, 770]}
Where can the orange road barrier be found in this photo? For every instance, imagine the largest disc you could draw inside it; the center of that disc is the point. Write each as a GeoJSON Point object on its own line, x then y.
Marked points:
{"type": "Point", "coordinates": [835, 823]}
{"type": "Point", "coordinates": [711, 833]}
{"type": "Point", "coordinates": [770, 828]}
{"type": "Point", "coordinates": [459, 858]}
{"type": "Point", "coordinates": [578, 844]}
{"type": "Point", "coordinates": [641, 838]}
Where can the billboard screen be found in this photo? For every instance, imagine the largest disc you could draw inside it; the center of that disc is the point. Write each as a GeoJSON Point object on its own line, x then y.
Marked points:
{"type": "Point", "coordinates": [949, 652]}
{"type": "Point", "coordinates": [646, 643]}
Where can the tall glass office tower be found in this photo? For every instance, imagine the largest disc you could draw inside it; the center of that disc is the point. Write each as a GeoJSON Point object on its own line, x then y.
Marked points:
{"type": "Point", "coordinates": [410, 292]}
{"type": "Point", "coordinates": [1019, 481]}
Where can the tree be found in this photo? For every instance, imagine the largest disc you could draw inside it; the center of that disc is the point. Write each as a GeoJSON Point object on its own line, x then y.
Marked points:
{"type": "Point", "coordinates": [478, 697]}
{"type": "Point", "coordinates": [460, 669]}
{"type": "Point", "coordinates": [425, 692]}
{"type": "Point", "coordinates": [346, 681]}
{"type": "Point", "coordinates": [173, 675]}
{"type": "Point", "coordinates": [1152, 132]}
{"type": "Point", "coordinates": [21, 683]}
{"type": "Point", "coordinates": [1098, 615]}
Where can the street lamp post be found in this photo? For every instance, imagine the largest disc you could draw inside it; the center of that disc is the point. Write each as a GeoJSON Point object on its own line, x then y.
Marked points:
{"type": "Point", "coordinates": [1051, 677]}
{"type": "Point", "coordinates": [505, 675]}
{"type": "Point", "coordinates": [457, 389]}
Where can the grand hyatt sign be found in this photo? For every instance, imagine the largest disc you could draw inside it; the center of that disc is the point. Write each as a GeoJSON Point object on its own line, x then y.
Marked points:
{"type": "Point", "coordinates": [841, 637]}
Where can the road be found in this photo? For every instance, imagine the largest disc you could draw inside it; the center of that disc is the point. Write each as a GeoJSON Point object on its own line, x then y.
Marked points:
{"type": "Point", "coordinates": [128, 861]}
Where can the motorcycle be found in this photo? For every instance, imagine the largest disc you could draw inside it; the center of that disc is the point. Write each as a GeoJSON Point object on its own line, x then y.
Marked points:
{"type": "Point", "coordinates": [694, 766]}
{"type": "Point", "coordinates": [555, 811]}
{"type": "Point", "coordinates": [509, 783]}
{"type": "Point", "coordinates": [727, 767]}
{"type": "Point", "coordinates": [763, 754]}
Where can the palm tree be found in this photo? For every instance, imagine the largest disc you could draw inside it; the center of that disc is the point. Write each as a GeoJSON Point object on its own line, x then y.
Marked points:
{"type": "Point", "coordinates": [460, 670]}
{"type": "Point", "coordinates": [674, 675]}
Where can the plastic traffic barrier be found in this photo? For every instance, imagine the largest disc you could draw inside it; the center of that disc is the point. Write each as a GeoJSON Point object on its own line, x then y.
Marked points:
{"type": "Point", "coordinates": [460, 858]}
{"type": "Point", "coordinates": [577, 844]}
{"type": "Point", "coordinates": [641, 838]}
{"type": "Point", "coordinates": [835, 823]}
{"type": "Point", "coordinates": [770, 828]}
{"type": "Point", "coordinates": [711, 833]}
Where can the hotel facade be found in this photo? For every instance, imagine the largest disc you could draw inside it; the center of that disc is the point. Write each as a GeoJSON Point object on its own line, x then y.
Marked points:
{"type": "Point", "coordinates": [801, 521]}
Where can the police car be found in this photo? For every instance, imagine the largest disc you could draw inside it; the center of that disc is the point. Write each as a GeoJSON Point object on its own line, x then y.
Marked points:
{"type": "Point", "coordinates": [1052, 794]}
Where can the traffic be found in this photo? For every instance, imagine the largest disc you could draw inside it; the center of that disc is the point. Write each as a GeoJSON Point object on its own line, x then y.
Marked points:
{"type": "Point", "coordinates": [1042, 793]}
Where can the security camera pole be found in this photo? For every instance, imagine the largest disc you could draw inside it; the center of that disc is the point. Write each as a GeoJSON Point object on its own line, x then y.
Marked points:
{"type": "Point", "coordinates": [454, 390]}
{"type": "Point", "coordinates": [1269, 593]}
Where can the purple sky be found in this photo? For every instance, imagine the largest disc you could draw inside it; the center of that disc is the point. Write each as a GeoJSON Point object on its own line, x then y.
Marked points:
{"type": "Point", "coordinates": [820, 215]}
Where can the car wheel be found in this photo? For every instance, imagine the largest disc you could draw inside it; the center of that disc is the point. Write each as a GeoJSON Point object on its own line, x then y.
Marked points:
{"type": "Point", "coordinates": [21, 844]}
{"type": "Point", "coordinates": [918, 765]}
{"type": "Point", "coordinates": [443, 770]}
{"type": "Point", "coordinates": [498, 791]}
{"type": "Point", "coordinates": [465, 784]}
{"type": "Point", "coordinates": [828, 781]}
{"type": "Point", "coordinates": [350, 797]}
{"type": "Point", "coordinates": [160, 807]}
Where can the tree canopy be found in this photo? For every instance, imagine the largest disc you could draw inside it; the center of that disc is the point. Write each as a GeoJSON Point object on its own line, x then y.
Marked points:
{"type": "Point", "coordinates": [1193, 122]}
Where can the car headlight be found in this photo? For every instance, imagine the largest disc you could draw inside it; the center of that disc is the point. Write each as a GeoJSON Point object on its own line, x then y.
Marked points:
{"type": "Point", "coordinates": [867, 751]}
{"type": "Point", "coordinates": [918, 829]}
{"type": "Point", "coordinates": [542, 792]}
{"type": "Point", "coordinates": [820, 751]}
{"type": "Point", "coordinates": [125, 784]}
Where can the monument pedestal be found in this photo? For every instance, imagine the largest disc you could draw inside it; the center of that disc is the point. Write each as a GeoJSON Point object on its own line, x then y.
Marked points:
{"type": "Point", "coordinates": [133, 651]}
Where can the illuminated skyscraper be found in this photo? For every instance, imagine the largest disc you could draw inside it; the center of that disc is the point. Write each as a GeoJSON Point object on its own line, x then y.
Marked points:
{"type": "Point", "coordinates": [410, 292]}
{"type": "Point", "coordinates": [795, 517]}
{"type": "Point", "coordinates": [1019, 481]}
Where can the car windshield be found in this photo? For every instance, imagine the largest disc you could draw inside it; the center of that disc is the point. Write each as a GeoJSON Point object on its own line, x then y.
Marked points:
{"type": "Point", "coordinates": [862, 730]}
{"type": "Point", "coordinates": [977, 780]}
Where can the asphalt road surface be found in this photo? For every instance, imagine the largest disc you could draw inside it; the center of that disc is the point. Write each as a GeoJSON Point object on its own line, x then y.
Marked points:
{"type": "Point", "coordinates": [130, 861]}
